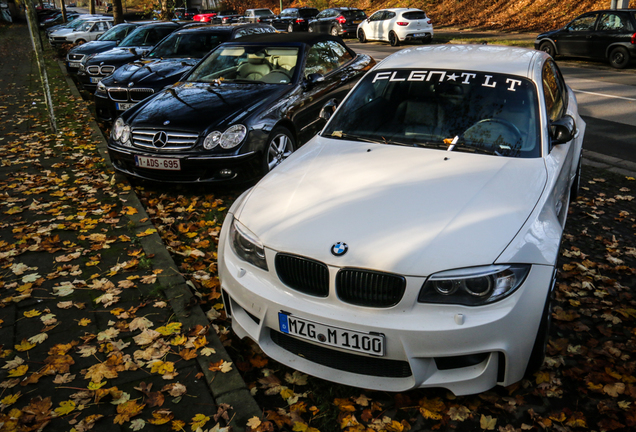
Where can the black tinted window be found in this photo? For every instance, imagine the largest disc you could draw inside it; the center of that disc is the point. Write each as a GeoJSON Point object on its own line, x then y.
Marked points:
{"type": "Point", "coordinates": [416, 15]}
{"type": "Point", "coordinates": [615, 22]}
{"type": "Point", "coordinates": [308, 13]}
{"type": "Point", "coordinates": [585, 23]}
{"type": "Point", "coordinates": [354, 14]}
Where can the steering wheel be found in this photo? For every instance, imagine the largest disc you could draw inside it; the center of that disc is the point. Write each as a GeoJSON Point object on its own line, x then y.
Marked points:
{"type": "Point", "coordinates": [494, 132]}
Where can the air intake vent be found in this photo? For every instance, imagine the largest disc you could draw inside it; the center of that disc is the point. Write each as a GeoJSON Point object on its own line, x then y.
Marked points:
{"type": "Point", "coordinates": [369, 288]}
{"type": "Point", "coordinates": [302, 274]}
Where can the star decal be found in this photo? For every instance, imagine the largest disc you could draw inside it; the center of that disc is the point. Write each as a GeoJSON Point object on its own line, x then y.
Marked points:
{"type": "Point", "coordinates": [452, 77]}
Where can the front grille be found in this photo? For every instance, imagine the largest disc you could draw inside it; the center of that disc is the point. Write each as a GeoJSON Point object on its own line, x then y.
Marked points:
{"type": "Point", "coordinates": [369, 288]}
{"type": "Point", "coordinates": [347, 362]}
{"type": "Point", "coordinates": [302, 274]}
{"type": "Point", "coordinates": [175, 140]}
{"type": "Point", "coordinates": [133, 95]}
{"type": "Point", "coordinates": [100, 70]}
{"type": "Point", "coordinates": [75, 57]}
{"type": "Point", "coordinates": [59, 38]}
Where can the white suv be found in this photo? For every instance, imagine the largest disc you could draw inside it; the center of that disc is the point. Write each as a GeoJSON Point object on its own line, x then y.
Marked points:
{"type": "Point", "coordinates": [396, 25]}
{"type": "Point", "coordinates": [89, 30]}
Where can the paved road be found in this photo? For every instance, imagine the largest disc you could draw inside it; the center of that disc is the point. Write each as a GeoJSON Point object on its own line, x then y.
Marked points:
{"type": "Point", "coordinates": [607, 99]}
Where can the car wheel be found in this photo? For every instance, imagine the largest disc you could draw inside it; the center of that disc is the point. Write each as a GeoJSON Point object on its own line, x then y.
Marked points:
{"type": "Point", "coordinates": [619, 58]}
{"type": "Point", "coordinates": [547, 48]}
{"type": "Point", "coordinates": [334, 31]}
{"type": "Point", "coordinates": [80, 41]}
{"type": "Point", "coordinates": [361, 36]}
{"type": "Point", "coordinates": [393, 39]}
{"type": "Point", "coordinates": [290, 28]}
{"type": "Point", "coordinates": [279, 146]}
{"type": "Point", "coordinates": [540, 343]}
{"type": "Point", "coordinates": [576, 184]}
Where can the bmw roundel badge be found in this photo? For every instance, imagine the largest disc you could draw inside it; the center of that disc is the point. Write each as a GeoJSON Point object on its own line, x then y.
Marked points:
{"type": "Point", "coordinates": [339, 249]}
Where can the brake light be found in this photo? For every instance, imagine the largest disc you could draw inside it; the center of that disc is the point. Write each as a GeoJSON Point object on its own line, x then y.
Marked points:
{"type": "Point", "coordinates": [300, 21]}
{"type": "Point", "coordinates": [258, 20]}
{"type": "Point", "coordinates": [428, 21]}
{"type": "Point", "coordinates": [634, 39]}
{"type": "Point", "coordinates": [341, 19]}
{"type": "Point", "coordinates": [402, 23]}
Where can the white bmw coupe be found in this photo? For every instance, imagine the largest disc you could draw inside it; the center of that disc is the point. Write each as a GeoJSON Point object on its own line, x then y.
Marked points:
{"type": "Point", "coordinates": [413, 242]}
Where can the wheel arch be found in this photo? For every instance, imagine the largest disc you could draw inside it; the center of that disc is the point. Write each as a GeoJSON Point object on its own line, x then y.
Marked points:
{"type": "Point", "coordinates": [616, 45]}
{"type": "Point", "coordinates": [554, 45]}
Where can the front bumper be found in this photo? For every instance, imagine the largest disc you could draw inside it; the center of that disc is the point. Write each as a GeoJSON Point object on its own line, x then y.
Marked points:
{"type": "Point", "coordinates": [195, 168]}
{"type": "Point", "coordinates": [464, 349]}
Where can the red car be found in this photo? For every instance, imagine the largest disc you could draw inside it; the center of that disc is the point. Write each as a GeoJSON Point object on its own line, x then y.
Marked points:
{"type": "Point", "coordinates": [204, 16]}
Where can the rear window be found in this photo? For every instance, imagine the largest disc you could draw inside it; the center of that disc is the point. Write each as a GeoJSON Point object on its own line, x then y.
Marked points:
{"type": "Point", "coordinates": [353, 14]}
{"type": "Point", "coordinates": [415, 15]}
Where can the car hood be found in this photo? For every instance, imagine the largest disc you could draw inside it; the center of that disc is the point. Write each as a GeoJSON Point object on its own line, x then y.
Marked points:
{"type": "Point", "coordinates": [93, 47]}
{"type": "Point", "coordinates": [548, 34]}
{"type": "Point", "coordinates": [197, 106]}
{"type": "Point", "coordinates": [119, 56]}
{"type": "Point", "coordinates": [411, 211]}
{"type": "Point", "coordinates": [153, 73]}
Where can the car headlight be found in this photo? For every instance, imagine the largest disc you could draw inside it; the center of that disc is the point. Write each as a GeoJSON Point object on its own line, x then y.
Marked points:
{"type": "Point", "coordinates": [212, 140]}
{"type": "Point", "coordinates": [233, 136]}
{"type": "Point", "coordinates": [473, 286]}
{"type": "Point", "coordinates": [246, 245]}
{"type": "Point", "coordinates": [118, 129]}
{"type": "Point", "coordinates": [125, 136]}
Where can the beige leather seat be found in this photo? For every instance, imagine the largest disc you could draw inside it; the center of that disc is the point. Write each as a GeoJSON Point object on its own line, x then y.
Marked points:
{"type": "Point", "coordinates": [254, 68]}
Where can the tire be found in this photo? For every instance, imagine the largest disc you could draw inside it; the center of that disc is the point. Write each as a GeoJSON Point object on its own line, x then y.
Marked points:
{"type": "Point", "coordinates": [334, 31]}
{"type": "Point", "coordinates": [619, 58]}
{"type": "Point", "coordinates": [290, 28]}
{"type": "Point", "coordinates": [279, 146]}
{"type": "Point", "coordinates": [541, 341]}
{"type": "Point", "coordinates": [80, 42]}
{"type": "Point", "coordinates": [361, 36]}
{"type": "Point", "coordinates": [547, 48]}
{"type": "Point", "coordinates": [393, 39]}
{"type": "Point", "coordinates": [576, 184]}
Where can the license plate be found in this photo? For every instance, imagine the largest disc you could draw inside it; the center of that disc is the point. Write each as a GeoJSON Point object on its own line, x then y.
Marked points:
{"type": "Point", "coordinates": [158, 163]}
{"type": "Point", "coordinates": [74, 64]}
{"type": "Point", "coordinates": [95, 79]}
{"type": "Point", "coordinates": [368, 343]}
{"type": "Point", "coordinates": [124, 106]}
{"type": "Point", "coordinates": [419, 35]}
{"type": "Point", "coordinates": [357, 22]}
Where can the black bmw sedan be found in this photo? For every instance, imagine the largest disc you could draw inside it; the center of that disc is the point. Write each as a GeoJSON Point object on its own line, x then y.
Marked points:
{"type": "Point", "coordinates": [164, 65]}
{"type": "Point", "coordinates": [242, 110]}
{"type": "Point", "coordinates": [97, 66]}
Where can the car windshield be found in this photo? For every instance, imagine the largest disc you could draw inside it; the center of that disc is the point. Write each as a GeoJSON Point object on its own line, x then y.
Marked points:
{"type": "Point", "coordinates": [76, 23]}
{"type": "Point", "coordinates": [188, 44]}
{"type": "Point", "coordinates": [458, 110]}
{"type": "Point", "coordinates": [248, 64]}
{"type": "Point", "coordinates": [146, 36]}
{"type": "Point", "coordinates": [354, 14]}
{"type": "Point", "coordinates": [114, 34]}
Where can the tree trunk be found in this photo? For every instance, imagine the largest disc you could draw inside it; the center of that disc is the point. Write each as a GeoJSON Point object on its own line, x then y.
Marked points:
{"type": "Point", "coordinates": [118, 12]}
{"type": "Point", "coordinates": [91, 6]}
{"type": "Point", "coordinates": [63, 7]}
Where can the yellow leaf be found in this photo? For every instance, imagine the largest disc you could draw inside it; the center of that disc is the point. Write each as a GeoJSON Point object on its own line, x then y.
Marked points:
{"type": "Point", "coordinates": [24, 345]}
{"type": "Point", "coordinates": [542, 377]}
{"type": "Point", "coordinates": [178, 425]}
{"type": "Point", "coordinates": [298, 427]}
{"type": "Point", "coordinates": [13, 210]}
{"type": "Point", "coordinates": [130, 210]}
{"type": "Point", "coordinates": [487, 422]}
{"type": "Point", "coordinates": [65, 407]}
{"type": "Point", "coordinates": [169, 329]}
{"type": "Point", "coordinates": [18, 372]}
{"type": "Point", "coordinates": [11, 399]}
{"type": "Point", "coordinates": [95, 386]}
{"type": "Point", "coordinates": [254, 422]}
{"type": "Point", "coordinates": [32, 313]}
{"type": "Point", "coordinates": [198, 421]}
{"type": "Point", "coordinates": [84, 322]}
{"type": "Point", "coordinates": [148, 232]}
{"type": "Point", "coordinates": [286, 393]}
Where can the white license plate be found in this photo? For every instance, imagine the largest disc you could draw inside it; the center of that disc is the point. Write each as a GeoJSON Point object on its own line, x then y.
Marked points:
{"type": "Point", "coordinates": [158, 163]}
{"type": "Point", "coordinates": [74, 64]}
{"type": "Point", "coordinates": [95, 79]}
{"type": "Point", "coordinates": [419, 35]}
{"type": "Point", "coordinates": [124, 106]}
{"type": "Point", "coordinates": [368, 343]}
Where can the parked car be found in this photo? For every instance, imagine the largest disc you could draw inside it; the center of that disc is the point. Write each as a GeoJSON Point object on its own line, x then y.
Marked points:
{"type": "Point", "coordinates": [74, 21]}
{"type": "Point", "coordinates": [185, 13]}
{"type": "Point", "coordinates": [205, 16]}
{"type": "Point", "coordinates": [258, 16]}
{"type": "Point", "coordinates": [97, 66]}
{"type": "Point", "coordinates": [227, 16]}
{"type": "Point", "coordinates": [340, 21]}
{"type": "Point", "coordinates": [294, 19]}
{"type": "Point", "coordinates": [481, 158]}
{"type": "Point", "coordinates": [90, 30]}
{"type": "Point", "coordinates": [396, 25]}
{"type": "Point", "coordinates": [58, 19]}
{"type": "Point", "coordinates": [105, 42]}
{"type": "Point", "coordinates": [164, 65]}
{"type": "Point", "coordinates": [210, 127]}
{"type": "Point", "coordinates": [608, 35]}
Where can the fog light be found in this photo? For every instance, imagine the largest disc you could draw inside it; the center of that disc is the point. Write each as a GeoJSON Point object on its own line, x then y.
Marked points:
{"type": "Point", "coordinates": [225, 172]}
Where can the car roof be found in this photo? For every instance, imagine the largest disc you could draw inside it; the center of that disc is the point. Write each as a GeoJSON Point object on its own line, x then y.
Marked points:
{"type": "Point", "coordinates": [481, 58]}
{"type": "Point", "coordinates": [219, 28]}
{"type": "Point", "coordinates": [304, 38]}
{"type": "Point", "coordinates": [345, 8]}
{"type": "Point", "coordinates": [405, 10]}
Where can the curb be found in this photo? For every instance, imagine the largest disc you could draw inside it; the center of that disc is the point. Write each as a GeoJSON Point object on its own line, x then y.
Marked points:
{"type": "Point", "coordinates": [228, 388]}
{"type": "Point", "coordinates": [610, 163]}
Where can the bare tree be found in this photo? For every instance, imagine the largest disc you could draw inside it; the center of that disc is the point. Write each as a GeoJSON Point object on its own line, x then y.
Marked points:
{"type": "Point", "coordinates": [118, 12]}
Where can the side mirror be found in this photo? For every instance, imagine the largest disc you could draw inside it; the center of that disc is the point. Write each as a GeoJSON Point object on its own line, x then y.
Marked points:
{"type": "Point", "coordinates": [562, 130]}
{"type": "Point", "coordinates": [311, 80]}
{"type": "Point", "coordinates": [117, 42]}
{"type": "Point", "coordinates": [328, 109]}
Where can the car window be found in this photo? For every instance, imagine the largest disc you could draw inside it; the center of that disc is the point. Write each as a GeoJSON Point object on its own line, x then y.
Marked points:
{"type": "Point", "coordinates": [321, 59]}
{"type": "Point", "coordinates": [354, 14]}
{"type": "Point", "coordinates": [85, 27]}
{"type": "Point", "coordinates": [323, 14]}
{"type": "Point", "coordinates": [288, 13]}
{"type": "Point", "coordinates": [188, 44]}
{"type": "Point", "coordinates": [554, 91]}
{"type": "Point", "coordinates": [377, 16]}
{"type": "Point", "coordinates": [116, 33]}
{"type": "Point", "coordinates": [389, 15]}
{"type": "Point", "coordinates": [490, 113]}
{"type": "Point", "coordinates": [415, 15]}
{"type": "Point", "coordinates": [342, 55]}
{"type": "Point", "coordinates": [101, 26]}
{"type": "Point", "coordinates": [585, 23]}
{"type": "Point", "coordinates": [264, 12]}
{"type": "Point", "coordinates": [308, 13]}
{"type": "Point", "coordinates": [614, 22]}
